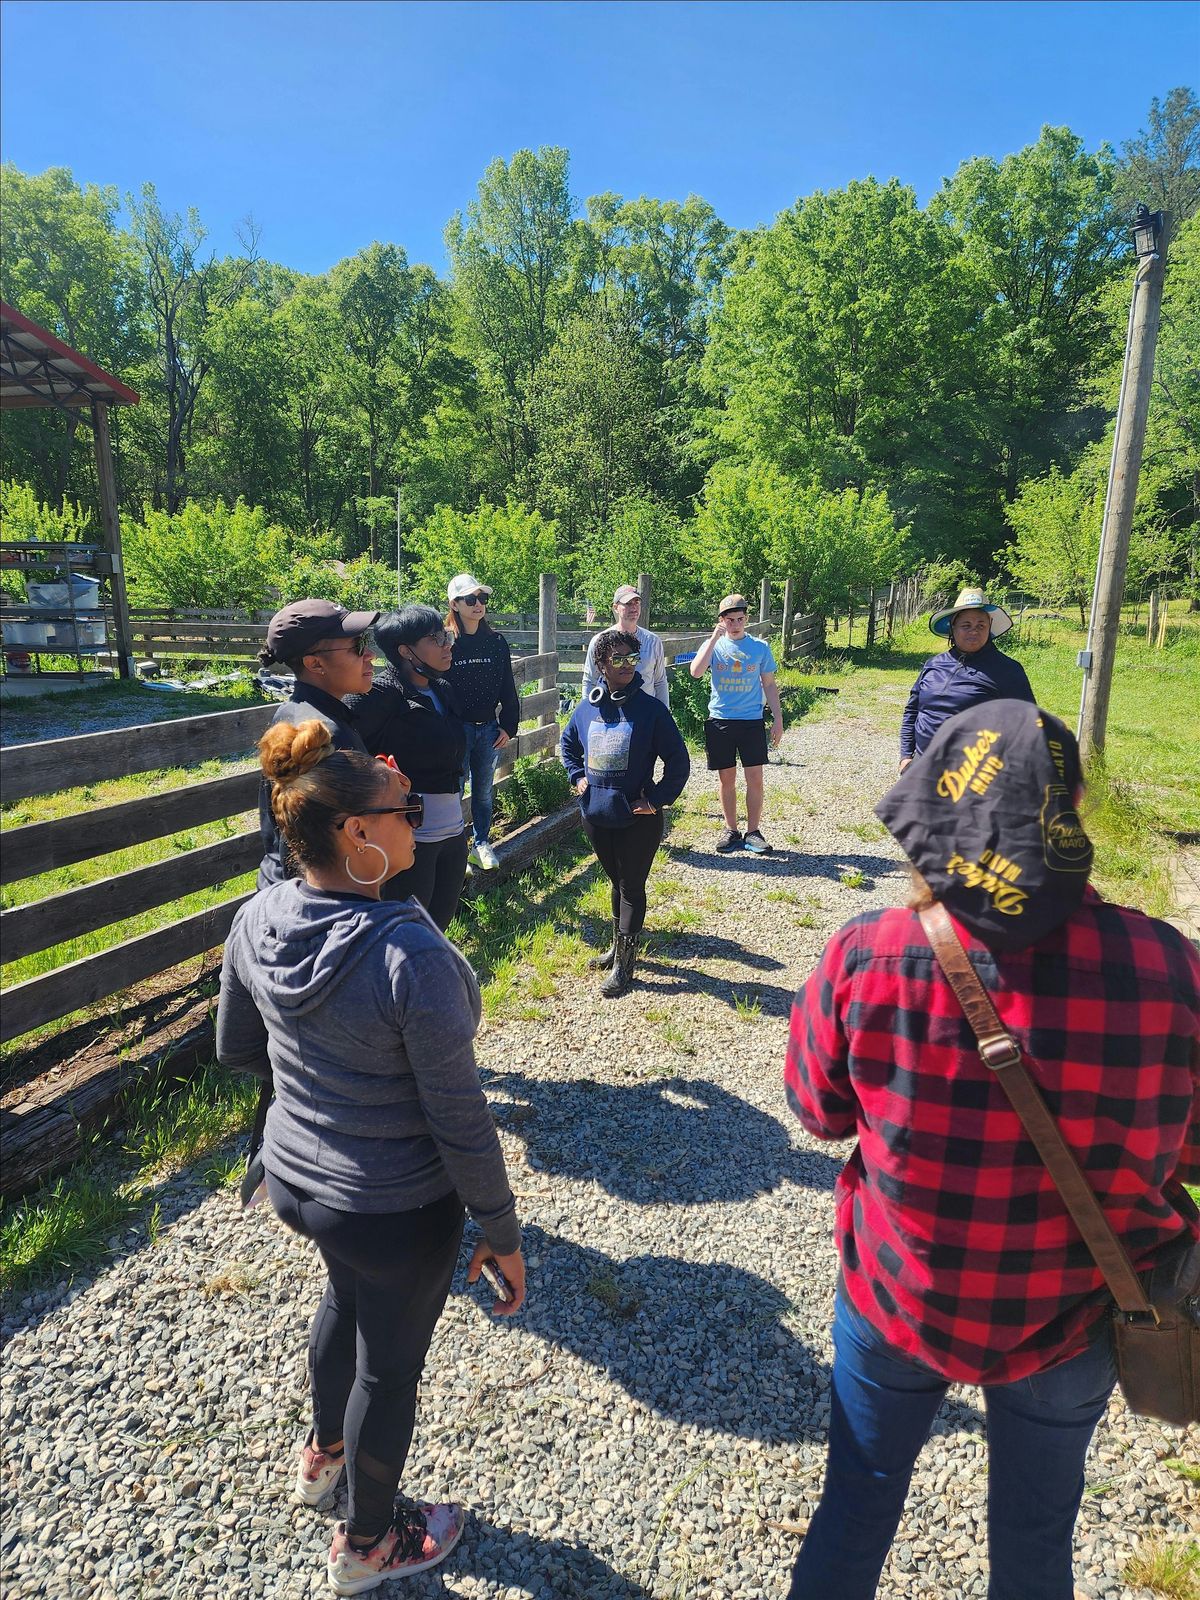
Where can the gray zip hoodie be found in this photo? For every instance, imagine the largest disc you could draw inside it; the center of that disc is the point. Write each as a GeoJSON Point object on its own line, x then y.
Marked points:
{"type": "Point", "coordinates": [364, 1015]}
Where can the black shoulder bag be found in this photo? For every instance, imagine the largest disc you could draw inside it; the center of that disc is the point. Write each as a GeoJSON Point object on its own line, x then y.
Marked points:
{"type": "Point", "coordinates": [254, 1184]}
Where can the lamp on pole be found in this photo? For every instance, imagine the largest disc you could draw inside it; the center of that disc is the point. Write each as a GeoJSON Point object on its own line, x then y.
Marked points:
{"type": "Point", "coordinates": [1129, 434]}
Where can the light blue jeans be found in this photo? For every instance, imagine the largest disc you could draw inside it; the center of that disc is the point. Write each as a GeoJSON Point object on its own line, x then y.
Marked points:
{"type": "Point", "coordinates": [882, 1406]}
{"type": "Point", "coordinates": [479, 769]}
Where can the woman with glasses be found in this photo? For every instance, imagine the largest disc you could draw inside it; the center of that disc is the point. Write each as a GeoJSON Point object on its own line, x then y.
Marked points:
{"type": "Point", "coordinates": [328, 649]}
{"type": "Point", "coordinates": [379, 1135]}
{"type": "Point", "coordinates": [412, 715]}
{"type": "Point", "coordinates": [610, 748]}
{"type": "Point", "coordinates": [482, 677]}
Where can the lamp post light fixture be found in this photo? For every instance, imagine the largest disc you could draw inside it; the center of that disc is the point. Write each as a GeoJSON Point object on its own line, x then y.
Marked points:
{"type": "Point", "coordinates": [1147, 228]}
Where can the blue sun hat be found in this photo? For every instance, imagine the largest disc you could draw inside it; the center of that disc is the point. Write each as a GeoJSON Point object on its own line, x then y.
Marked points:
{"type": "Point", "coordinates": [970, 600]}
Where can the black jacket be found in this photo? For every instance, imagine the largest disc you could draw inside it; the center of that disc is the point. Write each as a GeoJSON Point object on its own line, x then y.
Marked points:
{"type": "Point", "coordinates": [393, 719]}
{"type": "Point", "coordinates": [307, 701]}
{"type": "Point", "coordinates": [481, 675]}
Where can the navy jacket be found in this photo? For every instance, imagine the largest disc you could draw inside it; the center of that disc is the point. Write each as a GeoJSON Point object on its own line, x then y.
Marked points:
{"type": "Point", "coordinates": [307, 701]}
{"type": "Point", "coordinates": [950, 683]}
{"type": "Point", "coordinates": [615, 745]}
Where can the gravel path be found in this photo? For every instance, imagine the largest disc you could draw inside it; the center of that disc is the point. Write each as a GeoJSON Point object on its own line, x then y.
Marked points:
{"type": "Point", "coordinates": [653, 1425]}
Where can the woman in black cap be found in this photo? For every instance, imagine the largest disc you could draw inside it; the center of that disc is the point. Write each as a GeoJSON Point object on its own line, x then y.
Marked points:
{"type": "Point", "coordinates": [971, 671]}
{"type": "Point", "coordinates": [960, 1262]}
{"type": "Point", "coordinates": [412, 715]}
{"type": "Point", "coordinates": [328, 649]}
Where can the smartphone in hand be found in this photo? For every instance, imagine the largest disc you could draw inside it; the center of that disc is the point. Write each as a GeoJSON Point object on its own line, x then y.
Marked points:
{"type": "Point", "coordinates": [489, 1271]}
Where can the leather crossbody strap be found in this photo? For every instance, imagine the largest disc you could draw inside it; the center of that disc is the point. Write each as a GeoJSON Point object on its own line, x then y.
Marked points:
{"type": "Point", "coordinates": [1001, 1053]}
{"type": "Point", "coordinates": [265, 1096]}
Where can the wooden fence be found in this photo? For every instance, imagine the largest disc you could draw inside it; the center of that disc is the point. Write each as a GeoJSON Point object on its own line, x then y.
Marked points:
{"type": "Point", "coordinates": [51, 765]}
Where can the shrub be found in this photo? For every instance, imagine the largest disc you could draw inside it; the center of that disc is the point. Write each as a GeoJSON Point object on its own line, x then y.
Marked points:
{"type": "Point", "coordinates": [535, 790]}
{"type": "Point", "coordinates": [226, 558]}
{"type": "Point", "coordinates": [504, 546]}
{"type": "Point", "coordinates": [689, 703]}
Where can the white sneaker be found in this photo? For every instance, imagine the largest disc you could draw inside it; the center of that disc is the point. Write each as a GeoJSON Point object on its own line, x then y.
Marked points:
{"type": "Point", "coordinates": [486, 856]}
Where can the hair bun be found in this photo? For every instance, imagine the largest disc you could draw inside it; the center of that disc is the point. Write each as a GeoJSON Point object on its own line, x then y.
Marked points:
{"type": "Point", "coordinates": [288, 750]}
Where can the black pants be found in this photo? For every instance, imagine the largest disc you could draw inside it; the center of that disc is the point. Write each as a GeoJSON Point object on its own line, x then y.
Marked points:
{"type": "Point", "coordinates": [435, 878]}
{"type": "Point", "coordinates": [389, 1275]}
{"type": "Point", "coordinates": [626, 855]}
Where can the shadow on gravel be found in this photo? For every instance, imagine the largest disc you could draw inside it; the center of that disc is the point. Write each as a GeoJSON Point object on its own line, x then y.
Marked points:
{"type": "Point", "coordinates": [657, 975]}
{"type": "Point", "coordinates": [681, 1141]}
{"type": "Point", "coordinates": [705, 1344]}
{"type": "Point", "coordinates": [535, 1566]}
{"type": "Point", "coordinates": [796, 863]}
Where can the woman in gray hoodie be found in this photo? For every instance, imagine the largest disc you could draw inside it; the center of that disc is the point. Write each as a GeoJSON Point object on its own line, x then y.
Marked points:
{"type": "Point", "coordinates": [363, 1015]}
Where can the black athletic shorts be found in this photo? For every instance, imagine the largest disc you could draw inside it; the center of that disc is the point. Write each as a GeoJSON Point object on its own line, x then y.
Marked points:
{"type": "Point", "coordinates": [725, 739]}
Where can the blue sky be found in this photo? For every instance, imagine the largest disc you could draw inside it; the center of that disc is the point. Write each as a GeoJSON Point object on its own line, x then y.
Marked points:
{"type": "Point", "coordinates": [337, 124]}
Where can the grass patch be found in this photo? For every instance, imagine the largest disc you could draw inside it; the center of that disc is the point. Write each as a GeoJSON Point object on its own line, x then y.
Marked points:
{"type": "Point", "coordinates": [1169, 1568]}
{"type": "Point", "coordinates": [81, 1218]}
{"type": "Point", "coordinates": [852, 878]}
{"type": "Point", "coordinates": [1184, 1469]}
{"type": "Point", "coordinates": [747, 1006]}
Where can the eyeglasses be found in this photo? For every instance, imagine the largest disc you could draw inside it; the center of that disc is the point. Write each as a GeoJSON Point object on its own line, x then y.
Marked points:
{"type": "Point", "coordinates": [413, 809]}
{"type": "Point", "coordinates": [437, 639]}
{"type": "Point", "coordinates": [474, 599]}
{"type": "Point", "coordinates": [623, 661]}
{"type": "Point", "coordinates": [361, 645]}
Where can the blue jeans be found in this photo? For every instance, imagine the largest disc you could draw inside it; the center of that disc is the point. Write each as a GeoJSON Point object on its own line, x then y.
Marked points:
{"type": "Point", "coordinates": [882, 1406]}
{"type": "Point", "coordinates": [479, 768]}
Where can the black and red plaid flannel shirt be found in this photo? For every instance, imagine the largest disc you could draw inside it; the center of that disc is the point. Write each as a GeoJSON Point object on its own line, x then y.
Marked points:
{"type": "Point", "coordinates": [953, 1239]}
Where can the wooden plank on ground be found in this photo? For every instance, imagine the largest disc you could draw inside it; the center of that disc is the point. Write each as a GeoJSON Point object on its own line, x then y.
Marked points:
{"type": "Point", "coordinates": [81, 983]}
{"type": "Point", "coordinates": [27, 929]}
{"type": "Point", "coordinates": [49, 765]}
{"type": "Point", "coordinates": [42, 846]}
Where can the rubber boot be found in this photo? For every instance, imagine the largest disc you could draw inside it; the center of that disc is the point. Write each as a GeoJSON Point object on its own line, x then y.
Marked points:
{"type": "Point", "coordinates": [620, 979]}
{"type": "Point", "coordinates": [604, 963]}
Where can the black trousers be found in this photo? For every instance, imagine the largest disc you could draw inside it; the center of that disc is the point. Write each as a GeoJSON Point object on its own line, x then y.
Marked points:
{"type": "Point", "coordinates": [626, 855]}
{"type": "Point", "coordinates": [389, 1275]}
{"type": "Point", "coordinates": [435, 878]}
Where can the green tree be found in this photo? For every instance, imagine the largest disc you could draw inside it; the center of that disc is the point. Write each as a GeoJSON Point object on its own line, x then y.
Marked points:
{"type": "Point", "coordinates": [835, 341]}
{"type": "Point", "coordinates": [1161, 166]}
{"type": "Point", "coordinates": [515, 258]}
{"type": "Point", "coordinates": [640, 535]}
{"type": "Point", "coordinates": [226, 557]}
{"type": "Point", "coordinates": [592, 409]}
{"type": "Point", "coordinates": [504, 546]}
{"type": "Point", "coordinates": [65, 263]}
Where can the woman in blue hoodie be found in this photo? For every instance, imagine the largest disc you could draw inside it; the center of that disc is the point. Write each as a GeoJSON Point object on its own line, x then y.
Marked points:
{"type": "Point", "coordinates": [609, 748]}
{"type": "Point", "coordinates": [362, 1015]}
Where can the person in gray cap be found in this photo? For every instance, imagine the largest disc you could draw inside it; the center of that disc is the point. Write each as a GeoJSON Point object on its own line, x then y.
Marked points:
{"type": "Point", "coordinates": [328, 649]}
{"type": "Point", "coordinates": [627, 609]}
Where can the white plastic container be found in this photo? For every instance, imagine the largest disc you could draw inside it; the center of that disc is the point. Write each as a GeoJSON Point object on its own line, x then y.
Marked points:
{"type": "Point", "coordinates": [57, 596]}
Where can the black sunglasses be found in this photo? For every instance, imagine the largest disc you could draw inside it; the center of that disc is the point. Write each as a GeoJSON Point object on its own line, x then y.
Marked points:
{"type": "Point", "coordinates": [413, 809]}
{"type": "Point", "coordinates": [474, 599]}
{"type": "Point", "coordinates": [360, 645]}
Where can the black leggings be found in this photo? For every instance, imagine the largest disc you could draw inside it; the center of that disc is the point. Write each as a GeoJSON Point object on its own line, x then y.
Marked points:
{"type": "Point", "coordinates": [389, 1275]}
{"type": "Point", "coordinates": [626, 855]}
{"type": "Point", "coordinates": [435, 878]}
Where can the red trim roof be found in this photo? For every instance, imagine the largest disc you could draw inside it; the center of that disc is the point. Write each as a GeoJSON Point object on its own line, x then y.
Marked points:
{"type": "Point", "coordinates": [38, 369]}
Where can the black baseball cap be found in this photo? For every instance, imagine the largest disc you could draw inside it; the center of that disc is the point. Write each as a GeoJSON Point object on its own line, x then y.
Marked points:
{"type": "Point", "coordinates": [299, 627]}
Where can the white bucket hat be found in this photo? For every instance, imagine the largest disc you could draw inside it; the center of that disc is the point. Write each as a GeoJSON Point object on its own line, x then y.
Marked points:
{"type": "Point", "coordinates": [970, 600]}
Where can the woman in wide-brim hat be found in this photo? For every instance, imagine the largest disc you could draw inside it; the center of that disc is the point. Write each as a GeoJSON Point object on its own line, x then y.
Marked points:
{"type": "Point", "coordinates": [970, 672]}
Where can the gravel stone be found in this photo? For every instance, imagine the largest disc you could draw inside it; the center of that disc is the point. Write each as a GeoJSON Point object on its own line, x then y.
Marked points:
{"type": "Point", "coordinates": [652, 1427]}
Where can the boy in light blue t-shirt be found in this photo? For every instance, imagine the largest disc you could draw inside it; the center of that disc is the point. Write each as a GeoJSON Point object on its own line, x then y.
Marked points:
{"type": "Point", "coordinates": [743, 678]}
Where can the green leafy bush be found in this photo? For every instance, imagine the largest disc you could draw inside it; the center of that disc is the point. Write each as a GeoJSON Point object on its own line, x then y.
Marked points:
{"type": "Point", "coordinates": [535, 790]}
{"type": "Point", "coordinates": [360, 585]}
{"type": "Point", "coordinates": [226, 558]}
{"type": "Point", "coordinates": [505, 546]}
{"type": "Point", "coordinates": [25, 518]}
{"type": "Point", "coordinates": [689, 703]}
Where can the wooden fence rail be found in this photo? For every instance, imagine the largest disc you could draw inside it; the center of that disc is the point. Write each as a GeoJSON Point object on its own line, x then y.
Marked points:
{"type": "Point", "coordinates": [52, 765]}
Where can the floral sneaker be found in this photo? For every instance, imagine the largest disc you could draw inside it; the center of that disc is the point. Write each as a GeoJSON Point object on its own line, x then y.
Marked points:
{"type": "Point", "coordinates": [420, 1536]}
{"type": "Point", "coordinates": [317, 1472]}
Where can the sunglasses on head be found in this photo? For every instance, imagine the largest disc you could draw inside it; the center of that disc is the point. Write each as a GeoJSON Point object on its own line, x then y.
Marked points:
{"type": "Point", "coordinates": [413, 808]}
{"type": "Point", "coordinates": [623, 661]}
{"type": "Point", "coordinates": [474, 599]}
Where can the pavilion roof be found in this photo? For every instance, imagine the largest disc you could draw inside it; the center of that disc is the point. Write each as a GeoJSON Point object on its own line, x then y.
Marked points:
{"type": "Point", "coordinates": [38, 369]}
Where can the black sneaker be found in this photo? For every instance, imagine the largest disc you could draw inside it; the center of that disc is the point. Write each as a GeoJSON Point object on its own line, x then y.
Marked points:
{"type": "Point", "coordinates": [729, 839]}
{"type": "Point", "coordinates": [756, 844]}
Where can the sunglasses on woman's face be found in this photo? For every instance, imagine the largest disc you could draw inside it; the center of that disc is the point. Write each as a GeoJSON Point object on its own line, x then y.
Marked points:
{"type": "Point", "coordinates": [438, 640]}
{"type": "Point", "coordinates": [360, 645]}
{"type": "Point", "coordinates": [474, 599]}
{"type": "Point", "coordinates": [413, 809]}
{"type": "Point", "coordinates": [623, 661]}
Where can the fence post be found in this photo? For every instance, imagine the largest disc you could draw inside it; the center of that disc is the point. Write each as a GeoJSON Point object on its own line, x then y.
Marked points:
{"type": "Point", "coordinates": [643, 588]}
{"type": "Point", "coordinates": [871, 618]}
{"type": "Point", "coordinates": [764, 600]}
{"type": "Point", "coordinates": [1152, 619]}
{"type": "Point", "coordinates": [788, 620]}
{"type": "Point", "coordinates": [891, 609]}
{"type": "Point", "coordinates": [547, 623]}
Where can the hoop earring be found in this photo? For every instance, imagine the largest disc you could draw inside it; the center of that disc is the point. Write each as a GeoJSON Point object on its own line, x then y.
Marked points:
{"type": "Point", "coordinates": [369, 882]}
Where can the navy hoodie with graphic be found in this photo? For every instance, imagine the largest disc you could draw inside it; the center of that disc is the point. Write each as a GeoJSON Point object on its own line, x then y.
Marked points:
{"type": "Point", "coordinates": [615, 743]}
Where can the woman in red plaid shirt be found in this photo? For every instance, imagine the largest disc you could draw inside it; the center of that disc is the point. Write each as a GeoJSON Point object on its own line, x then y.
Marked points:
{"type": "Point", "coordinates": [959, 1262]}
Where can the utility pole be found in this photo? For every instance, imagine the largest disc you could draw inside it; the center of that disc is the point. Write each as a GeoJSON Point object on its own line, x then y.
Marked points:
{"type": "Point", "coordinates": [399, 556]}
{"type": "Point", "coordinates": [1128, 438]}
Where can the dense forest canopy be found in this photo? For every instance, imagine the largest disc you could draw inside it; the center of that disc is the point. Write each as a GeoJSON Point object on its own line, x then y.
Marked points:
{"type": "Point", "coordinates": [626, 385]}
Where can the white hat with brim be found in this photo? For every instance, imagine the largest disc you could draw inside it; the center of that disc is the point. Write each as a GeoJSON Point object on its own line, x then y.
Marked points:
{"type": "Point", "coordinates": [970, 600]}
{"type": "Point", "coordinates": [465, 584]}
